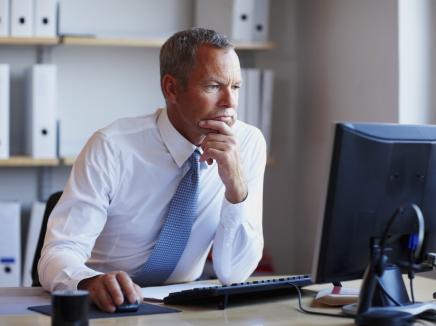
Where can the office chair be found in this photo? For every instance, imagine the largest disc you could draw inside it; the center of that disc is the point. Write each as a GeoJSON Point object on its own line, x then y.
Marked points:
{"type": "Point", "coordinates": [51, 203]}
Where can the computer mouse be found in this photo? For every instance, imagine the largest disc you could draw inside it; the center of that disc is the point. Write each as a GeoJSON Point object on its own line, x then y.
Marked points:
{"type": "Point", "coordinates": [126, 306]}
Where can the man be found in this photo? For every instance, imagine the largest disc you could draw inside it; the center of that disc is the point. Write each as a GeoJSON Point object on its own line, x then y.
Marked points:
{"type": "Point", "coordinates": [111, 223]}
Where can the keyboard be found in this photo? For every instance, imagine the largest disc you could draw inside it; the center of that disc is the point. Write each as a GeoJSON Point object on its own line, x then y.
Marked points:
{"type": "Point", "coordinates": [220, 294]}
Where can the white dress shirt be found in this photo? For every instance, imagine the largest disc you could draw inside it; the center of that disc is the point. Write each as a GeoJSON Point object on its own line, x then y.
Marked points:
{"type": "Point", "coordinates": [116, 200]}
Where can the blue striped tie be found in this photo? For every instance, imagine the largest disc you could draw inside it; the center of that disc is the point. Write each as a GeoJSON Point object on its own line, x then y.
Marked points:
{"type": "Point", "coordinates": [175, 232]}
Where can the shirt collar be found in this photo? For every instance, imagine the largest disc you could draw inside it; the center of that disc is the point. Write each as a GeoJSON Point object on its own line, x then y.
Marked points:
{"type": "Point", "coordinates": [179, 147]}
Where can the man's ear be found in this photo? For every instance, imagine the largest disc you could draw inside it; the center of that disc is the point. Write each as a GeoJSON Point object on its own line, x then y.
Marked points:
{"type": "Point", "coordinates": [170, 88]}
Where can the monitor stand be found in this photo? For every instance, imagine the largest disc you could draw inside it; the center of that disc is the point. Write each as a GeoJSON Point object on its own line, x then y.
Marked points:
{"type": "Point", "coordinates": [373, 297]}
{"type": "Point", "coordinates": [383, 298]}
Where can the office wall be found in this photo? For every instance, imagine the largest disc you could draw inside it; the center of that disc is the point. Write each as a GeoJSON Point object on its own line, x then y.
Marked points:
{"type": "Point", "coordinates": [335, 60]}
{"type": "Point", "coordinates": [103, 84]}
{"type": "Point", "coordinates": [347, 70]}
{"type": "Point", "coordinates": [280, 188]}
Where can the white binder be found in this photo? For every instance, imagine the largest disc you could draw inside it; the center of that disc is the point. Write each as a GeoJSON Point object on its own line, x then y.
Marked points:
{"type": "Point", "coordinates": [4, 17]}
{"type": "Point", "coordinates": [253, 97]}
{"type": "Point", "coordinates": [260, 27]}
{"type": "Point", "coordinates": [233, 18]}
{"type": "Point", "coordinates": [4, 110]}
{"type": "Point", "coordinates": [21, 18]}
{"type": "Point", "coordinates": [266, 104]}
{"type": "Point", "coordinates": [41, 137]}
{"type": "Point", "coordinates": [10, 244]}
{"type": "Point", "coordinates": [35, 223]}
{"type": "Point", "coordinates": [45, 18]}
{"type": "Point", "coordinates": [242, 102]}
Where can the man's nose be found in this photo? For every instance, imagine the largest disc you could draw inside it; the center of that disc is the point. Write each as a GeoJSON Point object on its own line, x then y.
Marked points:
{"type": "Point", "coordinates": [229, 98]}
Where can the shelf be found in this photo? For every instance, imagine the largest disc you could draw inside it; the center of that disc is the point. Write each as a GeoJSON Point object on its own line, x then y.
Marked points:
{"type": "Point", "coordinates": [149, 43]}
{"type": "Point", "coordinates": [254, 45]}
{"type": "Point", "coordinates": [26, 161]}
{"type": "Point", "coordinates": [121, 42]}
{"type": "Point", "coordinates": [118, 42]}
{"type": "Point", "coordinates": [29, 40]}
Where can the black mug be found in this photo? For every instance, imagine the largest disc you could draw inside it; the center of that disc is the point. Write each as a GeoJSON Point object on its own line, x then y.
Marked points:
{"type": "Point", "coordinates": [70, 308]}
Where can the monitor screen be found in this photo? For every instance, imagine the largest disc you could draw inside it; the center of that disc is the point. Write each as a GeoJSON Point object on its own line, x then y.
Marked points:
{"type": "Point", "coordinates": [375, 169]}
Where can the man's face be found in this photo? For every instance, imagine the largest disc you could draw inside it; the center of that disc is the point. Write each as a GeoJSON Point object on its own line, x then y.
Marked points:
{"type": "Point", "coordinates": [211, 93]}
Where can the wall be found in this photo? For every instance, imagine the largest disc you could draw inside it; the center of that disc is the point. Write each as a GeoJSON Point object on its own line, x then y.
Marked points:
{"type": "Point", "coordinates": [280, 177]}
{"type": "Point", "coordinates": [103, 84]}
{"type": "Point", "coordinates": [347, 70]}
{"type": "Point", "coordinates": [335, 60]}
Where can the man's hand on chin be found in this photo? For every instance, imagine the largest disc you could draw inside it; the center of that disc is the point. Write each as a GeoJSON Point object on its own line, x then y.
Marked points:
{"type": "Point", "coordinates": [222, 147]}
{"type": "Point", "coordinates": [108, 290]}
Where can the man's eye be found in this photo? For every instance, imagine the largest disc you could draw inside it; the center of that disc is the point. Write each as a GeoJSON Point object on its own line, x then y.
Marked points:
{"type": "Point", "coordinates": [212, 87]}
{"type": "Point", "coordinates": [236, 87]}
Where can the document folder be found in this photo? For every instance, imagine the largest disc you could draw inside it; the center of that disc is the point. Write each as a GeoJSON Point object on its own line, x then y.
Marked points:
{"type": "Point", "coordinates": [41, 140]}
{"type": "Point", "coordinates": [260, 27]}
{"type": "Point", "coordinates": [233, 18]}
{"type": "Point", "coordinates": [4, 110]}
{"type": "Point", "coordinates": [35, 223]}
{"type": "Point", "coordinates": [4, 17]}
{"type": "Point", "coordinates": [45, 18]}
{"type": "Point", "coordinates": [21, 18]}
{"type": "Point", "coordinates": [10, 244]}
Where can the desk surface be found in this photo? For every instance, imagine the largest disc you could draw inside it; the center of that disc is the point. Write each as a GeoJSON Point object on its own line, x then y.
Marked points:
{"type": "Point", "coordinates": [277, 311]}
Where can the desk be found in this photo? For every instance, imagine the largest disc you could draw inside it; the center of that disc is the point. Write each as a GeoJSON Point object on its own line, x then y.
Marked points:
{"type": "Point", "coordinates": [277, 311]}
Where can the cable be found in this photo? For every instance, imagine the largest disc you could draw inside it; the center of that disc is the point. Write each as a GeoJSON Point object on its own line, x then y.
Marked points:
{"type": "Point", "coordinates": [411, 290]}
{"type": "Point", "coordinates": [388, 227]}
{"type": "Point", "coordinates": [421, 227]}
{"type": "Point", "coordinates": [302, 309]}
{"type": "Point", "coordinates": [411, 275]}
{"type": "Point", "coordinates": [415, 245]}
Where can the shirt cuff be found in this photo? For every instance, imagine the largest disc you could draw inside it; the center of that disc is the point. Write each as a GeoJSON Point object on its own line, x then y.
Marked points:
{"type": "Point", "coordinates": [232, 215]}
{"type": "Point", "coordinates": [69, 279]}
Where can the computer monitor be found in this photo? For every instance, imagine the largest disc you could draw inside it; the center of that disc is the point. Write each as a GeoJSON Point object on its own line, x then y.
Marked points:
{"type": "Point", "coordinates": [375, 169]}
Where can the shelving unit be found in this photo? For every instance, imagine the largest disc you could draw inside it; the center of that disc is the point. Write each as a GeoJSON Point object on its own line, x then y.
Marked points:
{"type": "Point", "coordinates": [149, 43]}
{"type": "Point", "coordinates": [122, 42]}
{"type": "Point", "coordinates": [26, 161]}
{"type": "Point", "coordinates": [117, 42]}
{"type": "Point", "coordinates": [29, 40]}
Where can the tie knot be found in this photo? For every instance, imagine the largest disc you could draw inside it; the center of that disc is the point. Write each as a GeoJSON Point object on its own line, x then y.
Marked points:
{"type": "Point", "coordinates": [195, 159]}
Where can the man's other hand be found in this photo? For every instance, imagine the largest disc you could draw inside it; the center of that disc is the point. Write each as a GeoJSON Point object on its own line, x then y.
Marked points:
{"type": "Point", "coordinates": [108, 290]}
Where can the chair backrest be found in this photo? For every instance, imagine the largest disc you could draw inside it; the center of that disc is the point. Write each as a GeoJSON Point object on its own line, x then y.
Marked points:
{"type": "Point", "coordinates": [51, 203]}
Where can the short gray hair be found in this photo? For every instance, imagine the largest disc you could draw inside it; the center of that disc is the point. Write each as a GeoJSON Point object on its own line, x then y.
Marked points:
{"type": "Point", "coordinates": [178, 54]}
